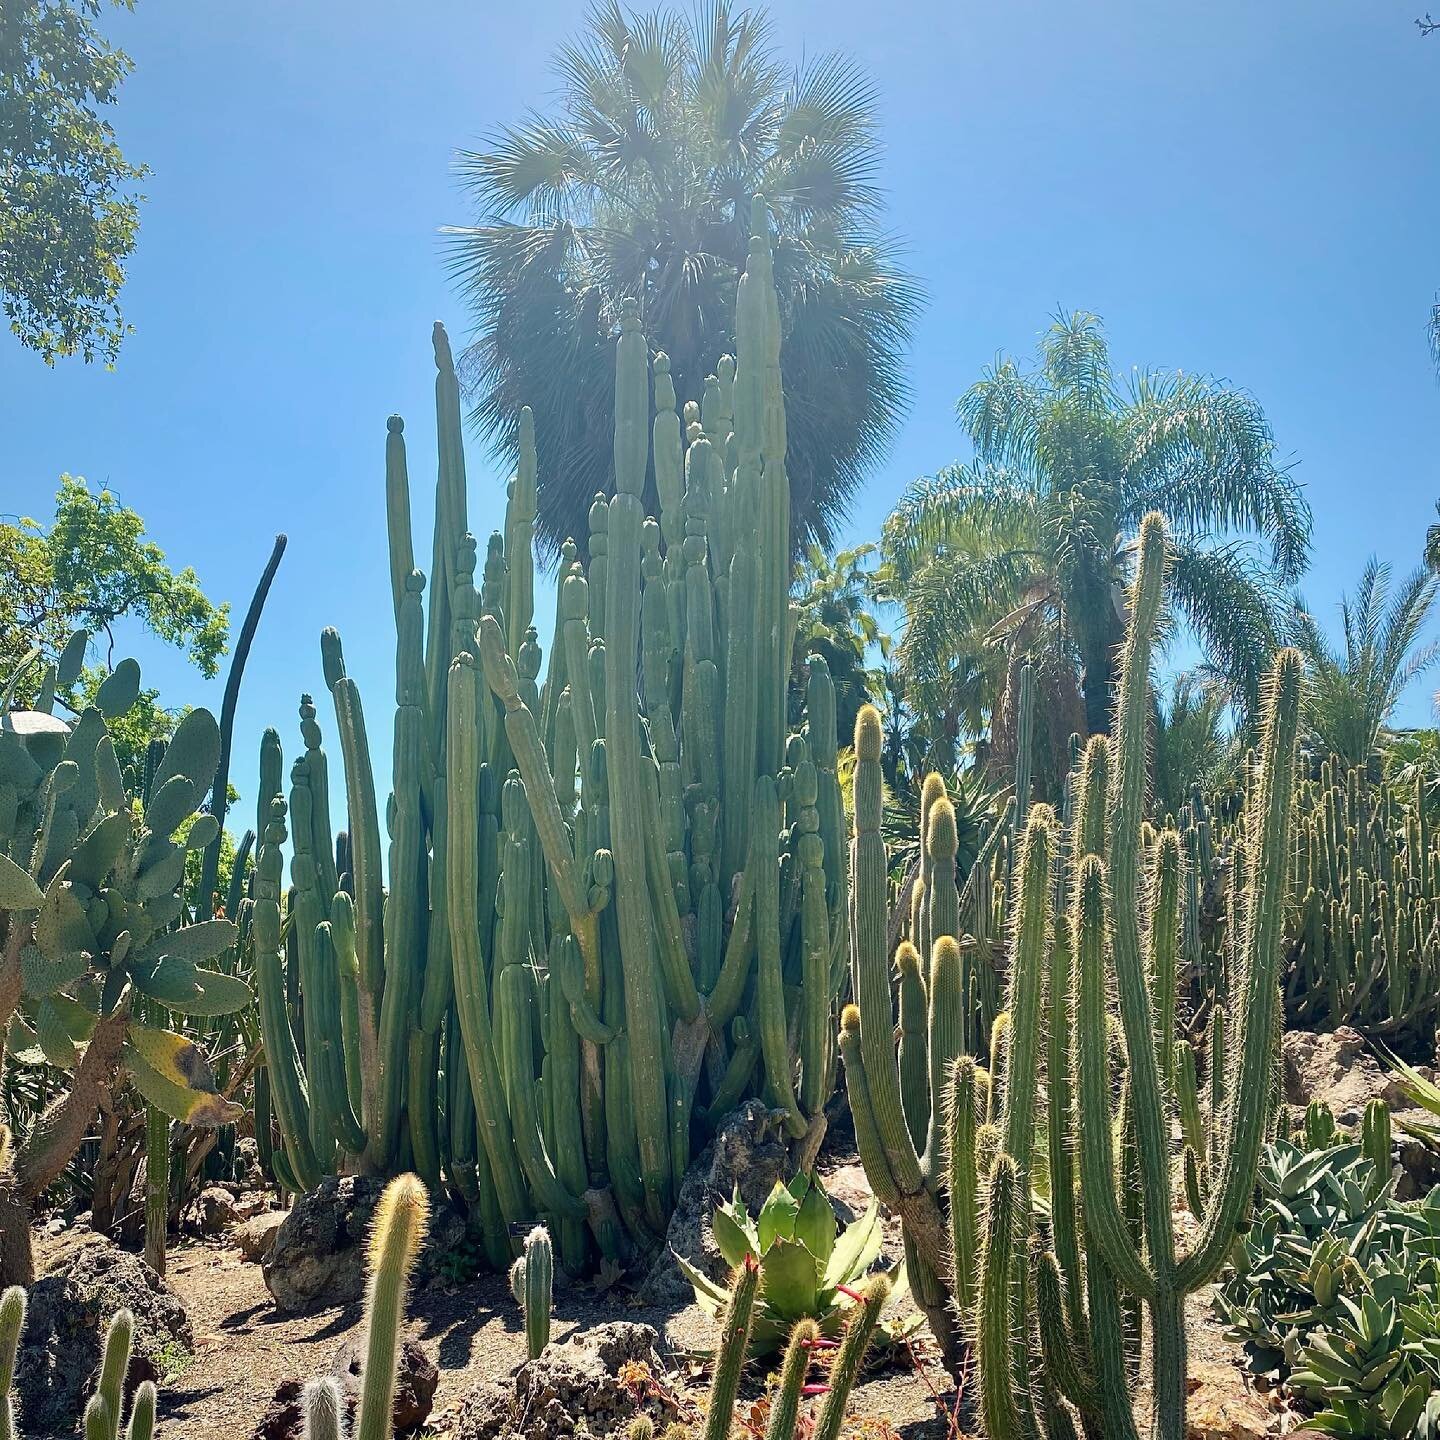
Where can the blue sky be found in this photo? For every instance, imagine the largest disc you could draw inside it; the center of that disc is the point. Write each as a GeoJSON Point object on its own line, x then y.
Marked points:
{"type": "Point", "coordinates": [1250, 190]}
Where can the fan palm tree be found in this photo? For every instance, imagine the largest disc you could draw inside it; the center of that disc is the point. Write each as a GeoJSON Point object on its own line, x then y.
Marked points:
{"type": "Point", "coordinates": [640, 184]}
{"type": "Point", "coordinates": [1030, 541]}
{"type": "Point", "coordinates": [1354, 688]}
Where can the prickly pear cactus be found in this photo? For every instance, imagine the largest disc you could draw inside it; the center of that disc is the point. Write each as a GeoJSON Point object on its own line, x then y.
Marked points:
{"type": "Point", "coordinates": [92, 924]}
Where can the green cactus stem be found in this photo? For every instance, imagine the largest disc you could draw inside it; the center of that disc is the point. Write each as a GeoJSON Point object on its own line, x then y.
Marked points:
{"type": "Point", "coordinates": [397, 1234]}
{"type": "Point", "coordinates": [532, 1279]}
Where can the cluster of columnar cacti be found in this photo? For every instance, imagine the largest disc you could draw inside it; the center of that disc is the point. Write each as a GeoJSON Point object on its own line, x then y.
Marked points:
{"type": "Point", "coordinates": [532, 1281]}
{"type": "Point", "coordinates": [1364, 922]}
{"type": "Point", "coordinates": [105, 1412]}
{"type": "Point", "coordinates": [91, 933]}
{"type": "Point", "coordinates": [397, 1233]}
{"type": "Point", "coordinates": [1053, 1303]}
{"type": "Point", "coordinates": [615, 898]}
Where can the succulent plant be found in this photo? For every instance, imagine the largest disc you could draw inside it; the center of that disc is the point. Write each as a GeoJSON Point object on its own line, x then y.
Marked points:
{"type": "Point", "coordinates": [809, 1267]}
{"type": "Point", "coordinates": [1335, 1290]}
{"type": "Point", "coordinates": [92, 932]}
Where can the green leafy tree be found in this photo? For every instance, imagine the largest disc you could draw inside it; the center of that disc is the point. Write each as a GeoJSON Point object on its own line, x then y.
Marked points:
{"type": "Point", "coordinates": [832, 604]}
{"type": "Point", "coordinates": [92, 566]}
{"type": "Point", "coordinates": [1030, 543]}
{"type": "Point", "coordinates": [68, 212]}
{"type": "Point", "coordinates": [1355, 686]}
{"type": "Point", "coordinates": [639, 184]}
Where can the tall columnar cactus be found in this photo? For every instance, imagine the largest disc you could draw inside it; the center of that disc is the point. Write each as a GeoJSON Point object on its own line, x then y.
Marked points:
{"type": "Point", "coordinates": [734, 1341]}
{"type": "Point", "coordinates": [532, 1279]}
{"type": "Point", "coordinates": [617, 894]}
{"type": "Point", "coordinates": [398, 1232]}
{"type": "Point", "coordinates": [1073, 1288]}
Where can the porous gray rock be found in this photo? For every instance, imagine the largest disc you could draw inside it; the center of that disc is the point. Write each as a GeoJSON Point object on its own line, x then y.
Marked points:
{"type": "Point", "coordinates": [216, 1210]}
{"type": "Point", "coordinates": [750, 1150]}
{"type": "Point", "coordinates": [416, 1377]}
{"type": "Point", "coordinates": [584, 1386]}
{"type": "Point", "coordinates": [318, 1254]}
{"type": "Point", "coordinates": [83, 1282]}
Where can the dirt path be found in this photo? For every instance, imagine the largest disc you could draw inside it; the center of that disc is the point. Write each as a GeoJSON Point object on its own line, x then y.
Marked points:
{"type": "Point", "coordinates": [245, 1348]}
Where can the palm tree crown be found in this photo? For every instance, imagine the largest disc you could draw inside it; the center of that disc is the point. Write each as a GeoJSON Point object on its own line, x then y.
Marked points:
{"type": "Point", "coordinates": [640, 185]}
{"type": "Point", "coordinates": [1353, 688]}
{"type": "Point", "coordinates": [1030, 541]}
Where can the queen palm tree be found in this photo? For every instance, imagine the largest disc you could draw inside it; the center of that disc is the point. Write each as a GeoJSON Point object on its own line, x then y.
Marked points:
{"type": "Point", "coordinates": [1353, 688]}
{"type": "Point", "coordinates": [1030, 541]}
{"type": "Point", "coordinates": [640, 184]}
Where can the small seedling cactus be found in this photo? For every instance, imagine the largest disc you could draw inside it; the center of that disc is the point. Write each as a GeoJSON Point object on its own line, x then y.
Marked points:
{"type": "Point", "coordinates": [532, 1280]}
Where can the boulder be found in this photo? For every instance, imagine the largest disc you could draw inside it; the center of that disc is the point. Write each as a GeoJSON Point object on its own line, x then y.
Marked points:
{"type": "Point", "coordinates": [84, 1282]}
{"type": "Point", "coordinates": [416, 1377]}
{"type": "Point", "coordinates": [750, 1150]}
{"type": "Point", "coordinates": [318, 1254]}
{"type": "Point", "coordinates": [585, 1386]}
{"type": "Point", "coordinates": [1339, 1068]}
{"type": "Point", "coordinates": [254, 1237]}
{"type": "Point", "coordinates": [216, 1210]}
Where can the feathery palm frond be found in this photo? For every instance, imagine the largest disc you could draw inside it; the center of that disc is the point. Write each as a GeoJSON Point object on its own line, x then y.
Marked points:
{"type": "Point", "coordinates": [1354, 687]}
{"type": "Point", "coordinates": [639, 184]}
{"type": "Point", "coordinates": [1040, 523]}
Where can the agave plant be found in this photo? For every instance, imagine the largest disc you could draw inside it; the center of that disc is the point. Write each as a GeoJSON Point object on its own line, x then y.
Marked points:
{"type": "Point", "coordinates": [1335, 1291]}
{"type": "Point", "coordinates": [809, 1267]}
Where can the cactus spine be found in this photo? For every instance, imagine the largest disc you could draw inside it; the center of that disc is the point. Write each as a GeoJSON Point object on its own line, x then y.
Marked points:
{"type": "Point", "coordinates": [532, 1279]}
{"type": "Point", "coordinates": [734, 1340]}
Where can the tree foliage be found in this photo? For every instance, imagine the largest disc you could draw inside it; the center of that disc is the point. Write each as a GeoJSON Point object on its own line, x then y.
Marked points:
{"type": "Point", "coordinates": [639, 184]}
{"type": "Point", "coordinates": [1354, 687]}
{"type": "Point", "coordinates": [92, 566]}
{"type": "Point", "coordinates": [1030, 542]}
{"type": "Point", "coordinates": [68, 212]}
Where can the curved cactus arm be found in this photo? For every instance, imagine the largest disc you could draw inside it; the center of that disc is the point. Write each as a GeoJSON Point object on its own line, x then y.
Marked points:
{"type": "Point", "coordinates": [1105, 1224]}
{"type": "Point", "coordinates": [1061, 1350]}
{"type": "Point", "coordinates": [1244, 1122]}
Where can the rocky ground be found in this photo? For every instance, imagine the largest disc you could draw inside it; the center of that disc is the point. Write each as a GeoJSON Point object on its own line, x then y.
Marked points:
{"type": "Point", "coordinates": [254, 1330]}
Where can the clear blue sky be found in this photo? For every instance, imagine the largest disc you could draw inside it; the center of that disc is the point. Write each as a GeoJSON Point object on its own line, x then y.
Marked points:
{"type": "Point", "coordinates": [1252, 190]}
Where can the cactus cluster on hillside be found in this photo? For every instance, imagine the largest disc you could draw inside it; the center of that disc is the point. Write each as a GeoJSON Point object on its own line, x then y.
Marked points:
{"type": "Point", "coordinates": [93, 949]}
{"type": "Point", "coordinates": [1053, 1303]}
{"type": "Point", "coordinates": [617, 899]}
{"type": "Point", "coordinates": [1364, 926]}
